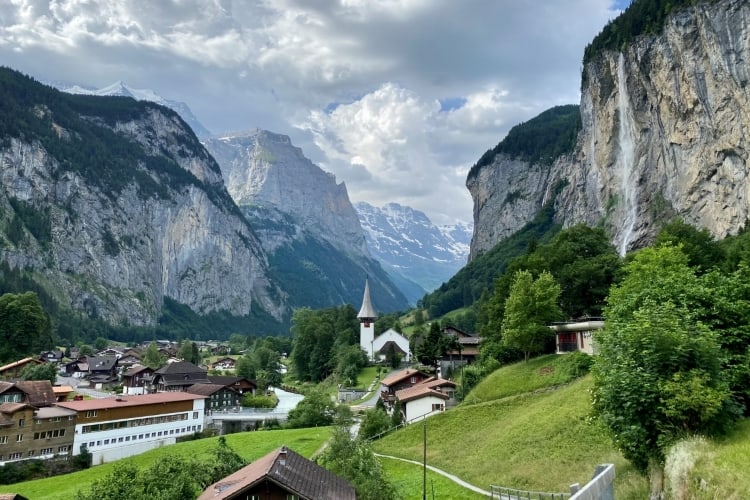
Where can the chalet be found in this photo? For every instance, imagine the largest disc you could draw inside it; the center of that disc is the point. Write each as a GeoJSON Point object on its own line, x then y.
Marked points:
{"type": "Point", "coordinates": [466, 353]}
{"type": "Point", "coordinates": [78, 368]}
{"type": "Point", "coordinates": [398, 381]}
{"type": "Point", "coordinates": [137, 380]}
{"type": "Point", "coordinates": [37, 393]}
{"type": "Point", "coordinates": [179, 376]}
{"type": "Point", "coordinates": [281, 474]}
{"type": "Point", "coordinates": [226, 363]}
{"type": "Point", "coordinates": [27, 432]}
{"type": "Point", "coordinates": [13, 370]}
{"type": "Point", "coordinates": [575, 336]}
{"type": "Point", "coordinates": [129, 358]}
{"type": "Point", "coordinates": [218, 397]}
{"type": "Point", "coordinates": [51, 356]}
{"type": "Point", "coordinates": [109, 351]}
{"type": "Point", "coordinates": [239, 384]}
{"type": "Point", "coordinates": [420, 401]}
{"type": "Point", "coordinates": [102, 369]}
{"type": "Point", "coordinates": [114, 428]}
{"type": "Point", "coordinates": [220, 350]}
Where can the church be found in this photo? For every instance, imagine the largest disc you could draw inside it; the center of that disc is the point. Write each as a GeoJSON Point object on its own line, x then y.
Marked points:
{"type": "Point", "coordinates": [376, 347]}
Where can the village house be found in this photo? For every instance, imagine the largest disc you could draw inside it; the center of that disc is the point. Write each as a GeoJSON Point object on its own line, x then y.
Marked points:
{"type": "Point", "coordinates": [13, 370]}
{"type": "Point", "coordinates": [51, 356]}
{"type": "Point", "coordinates": [179, 376]}
{"type": "Point", "coordinates": [431, 396]}
{"type": "Point", "coordinates": [218, 397]}
{"type": "Point", "coordinates": [281, 474]}
{"type": "Point", "coordinates": [466, 352]}
{"type": "Point", "coordinates": [137, 380]}
{"type": "Point", "coordinates": [102, 370]}
{"type": "Point", "coordinates": [239, 384]}
{"type": "Point", "coordinates": [225, 363]}
{"type": "Point", "coordinates": [27, 432]}
{"type": "Point", "coordinates": [114, 428]}
{"type": "Point", "coordinates": [576, 336]}
{"type": "Point", "coordinates": [398, 381]}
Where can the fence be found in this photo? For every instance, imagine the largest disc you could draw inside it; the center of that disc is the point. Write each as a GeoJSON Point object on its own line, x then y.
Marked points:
{"type": "Point", "coordinates": [502, 493]}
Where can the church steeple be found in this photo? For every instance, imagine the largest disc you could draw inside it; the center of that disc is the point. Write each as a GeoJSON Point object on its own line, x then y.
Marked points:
{"type": "Point", "coordinates": [367, 312]}
{"type": "Point", "coordinates": [367, 316]}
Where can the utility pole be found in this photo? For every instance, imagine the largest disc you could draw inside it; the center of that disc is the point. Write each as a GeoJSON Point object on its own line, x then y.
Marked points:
{"type": "Point", "coordinates": [424, 458]}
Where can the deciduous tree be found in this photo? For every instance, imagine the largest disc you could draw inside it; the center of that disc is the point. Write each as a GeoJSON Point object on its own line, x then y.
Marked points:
{"type": "Point", "coordinates": [530, 308]}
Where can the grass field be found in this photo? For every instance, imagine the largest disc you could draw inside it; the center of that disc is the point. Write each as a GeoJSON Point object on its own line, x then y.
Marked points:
{"type": "Point", "coordinates": [408, 480]}
{"type": "Point", "coordinates": [249, 445]}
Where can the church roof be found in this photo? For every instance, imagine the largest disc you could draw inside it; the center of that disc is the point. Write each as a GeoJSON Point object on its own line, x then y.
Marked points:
{"type": "Point", "coordinates": [367, 311]}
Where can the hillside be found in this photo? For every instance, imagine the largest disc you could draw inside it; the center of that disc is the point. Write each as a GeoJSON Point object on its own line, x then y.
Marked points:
{"type": "Point", "coordinates": [535, 441]}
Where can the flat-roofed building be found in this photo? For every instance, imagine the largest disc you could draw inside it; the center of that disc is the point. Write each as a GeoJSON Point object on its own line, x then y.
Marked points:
{"type": "Point", "coordinates": [27, 432]}
{"type": "Point", "coordinates": [114, 428]}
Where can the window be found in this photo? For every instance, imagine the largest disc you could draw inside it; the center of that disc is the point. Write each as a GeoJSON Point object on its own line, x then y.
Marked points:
{"type": "Point", "coordinates": [46, 451]}
{"type": "Point", "coordinates": [195, 414]}
{"type": "Point", "coordinates": [413, 380]}
{"type": "Point", "coordinates": [120, 440]}
{"type": "Point", "coordinates": [437, 407]}
{"type": "Point", "coordinates": [31, 453]}
{"type": "Point", "coordinates": [90, 413]}
{"type": "Point", "coordinates": [38, 422]}
{"type": "Point", "coordinates": [19, 438]}
{"type": "Point", "coordinates": [3, 439]}
{"type": "Point", "coordinates": [62, 449]}
{"type": "Point", "coordinates": [91, 444]}
{"type": "Point", "coordinates": [21, 422]}
{"type": "Point", "coordinates": [14, 456]}
{"type": "Point", "coordinates": [106, 441]}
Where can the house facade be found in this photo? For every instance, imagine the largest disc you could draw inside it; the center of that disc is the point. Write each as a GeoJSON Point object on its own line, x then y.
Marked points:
{"type": "Point", "coordinates": [421, 401]}
{"type": "Point", "coordinates": [218, 397]}
{"type": "Point", "coordinates": [115, 428]}
{"type": "Point", "coordinates": [398, 381]}
{"type": "Point", "coordinates": [391, 337]}
{"type": "Point", "coordinates": [137, 380]}
{"type": "Point", "coordinates": [27, 432]}
{"type": "Point", "coordinates": [576, 336]}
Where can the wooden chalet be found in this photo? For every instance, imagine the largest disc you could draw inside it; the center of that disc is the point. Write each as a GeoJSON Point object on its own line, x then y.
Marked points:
{"type": "Point", "coordinates": [13, 370]}
{"type": "Point", "coordinates": [138, 379]}
{"type": "Point", "coordinates": [218, 397]}
{"type": "Point", "coordinates": [179, 376]}
{"type": "Point", "coordinates": [239, 384]}
{"type": "Point", "coordinates": [281, 474]}
{"type": "Point", "coordinates": [400, 380]}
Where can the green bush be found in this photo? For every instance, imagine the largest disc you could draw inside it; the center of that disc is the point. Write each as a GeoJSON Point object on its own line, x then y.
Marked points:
{"type": "Point", "coordinates": [259, 401]}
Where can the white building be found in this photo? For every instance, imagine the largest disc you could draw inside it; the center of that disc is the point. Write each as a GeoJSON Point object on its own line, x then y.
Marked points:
{"type": "Point", "coordinates": [421, 401]}
{"type": "Point", "coordinates": [114, 428]}
{"type": "Point", "coordinates": [375, 347]}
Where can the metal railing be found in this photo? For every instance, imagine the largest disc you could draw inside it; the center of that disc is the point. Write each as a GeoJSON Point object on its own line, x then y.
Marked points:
{"type": "Point", "coordinates": [503, 493]}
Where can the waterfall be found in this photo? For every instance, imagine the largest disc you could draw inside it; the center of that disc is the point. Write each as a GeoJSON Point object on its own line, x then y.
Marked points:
{"type": "Point", "coordinates": [626, 157]}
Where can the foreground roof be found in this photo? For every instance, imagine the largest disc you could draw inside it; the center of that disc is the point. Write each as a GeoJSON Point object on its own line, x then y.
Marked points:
{"type": "Point", "coordinates": [402, 375]}
{"type": "Point", "coordinates": [291, 471]}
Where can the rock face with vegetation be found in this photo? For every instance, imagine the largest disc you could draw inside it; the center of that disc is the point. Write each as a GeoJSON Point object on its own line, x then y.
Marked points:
{"type": "Point", "coordinates": [264, 169]}
{"type": "Point", "coordinates": [113, 205]}
{"type": "Point", "coordinates": [304, 220]}
{"type": "Point", "coordinates": [663, 112]}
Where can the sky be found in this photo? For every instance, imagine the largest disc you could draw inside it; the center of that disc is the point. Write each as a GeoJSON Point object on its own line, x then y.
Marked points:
{"type": "Point", "coordinates": [397, 98]}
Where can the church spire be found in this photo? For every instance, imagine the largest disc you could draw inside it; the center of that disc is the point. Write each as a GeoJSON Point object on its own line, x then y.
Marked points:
{"type": "Point", "coordinates": [367, 312]}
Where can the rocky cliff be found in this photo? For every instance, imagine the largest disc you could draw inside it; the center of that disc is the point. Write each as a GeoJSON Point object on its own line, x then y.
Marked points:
{"type": "Point", "coordinates": [663, 134]}
{"type": "Point", "coordinates": [264, 169]}
{"type": "Point", "coordinates": [113, 205]}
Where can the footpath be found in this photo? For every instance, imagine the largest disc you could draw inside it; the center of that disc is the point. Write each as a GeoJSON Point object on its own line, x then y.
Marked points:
{"type": "Point", "coordinates": [453, 478]}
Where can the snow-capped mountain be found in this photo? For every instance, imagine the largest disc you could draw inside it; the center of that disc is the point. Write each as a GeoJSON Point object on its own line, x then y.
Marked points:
{"type": "Point", "coordinates": [119, 88]}
{"type": "Point", "coordinates": [408, 244]}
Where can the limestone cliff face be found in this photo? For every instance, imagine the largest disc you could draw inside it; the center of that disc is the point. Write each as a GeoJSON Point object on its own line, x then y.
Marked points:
{"type": "Point", "coordinates": [664, 133]}
{"type": "Point", "coordinates": [116, 253]}
{"type": "Point", "coordinates": [264, 169]}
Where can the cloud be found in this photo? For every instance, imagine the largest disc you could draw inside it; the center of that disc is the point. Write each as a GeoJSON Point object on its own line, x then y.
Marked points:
{"type": "Point", "coordinates": [358, 84]}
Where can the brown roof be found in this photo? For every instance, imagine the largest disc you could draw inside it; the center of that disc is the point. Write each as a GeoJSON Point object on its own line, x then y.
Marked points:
{"type": "Point", "coordinates": [20, 362]}
{"type": "Point", "coordinates": [206, 389]}
{"type": "Point", "coordinates": [53, 411]}
{"type": "Point", "coordinates": [399, 376]}
{"type": "Point", "coordinates": [293, 472]}
{"type": "Point", "coordinates": [438, 382]}
{"type": "Point", "coordinates": [139, 400]}
{"type": "Point", "coordinates": [135, 370]}
{"type": "Point", "coordinates": [39, 392]}
{"type": "Point", "coordinates": [417, 392]}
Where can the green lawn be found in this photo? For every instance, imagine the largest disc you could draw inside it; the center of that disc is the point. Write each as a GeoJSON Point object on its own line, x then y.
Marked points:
{"type": "Point", "coordinates": [522, 377]}
{"type": "Point", "coordinates": [249, 445]}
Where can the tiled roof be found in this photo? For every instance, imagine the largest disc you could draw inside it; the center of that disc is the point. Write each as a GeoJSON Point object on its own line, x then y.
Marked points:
{"type": "Point", "coordinates": [135, 370]}
{"type": "Point", "coordinates": [54, 411]}
{"type": "Point", "coordinates": [139, 400]}
{"type": "Point", "coordinates": [417, 392]}
{"type": "Point", "coordinates": [293, 472]}
{"type": "Point", "coordinates": [101, 363]}
{"type": "Point", "coordinates": [438, 382]}
{"type": "Point", "coordinates": [399, 376]}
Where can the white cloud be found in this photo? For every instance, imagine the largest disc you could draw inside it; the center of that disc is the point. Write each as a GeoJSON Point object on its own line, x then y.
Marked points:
{"type": "Point", "coordinates": [279, 64]}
